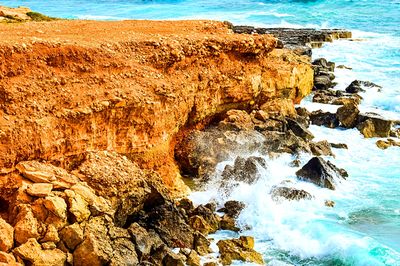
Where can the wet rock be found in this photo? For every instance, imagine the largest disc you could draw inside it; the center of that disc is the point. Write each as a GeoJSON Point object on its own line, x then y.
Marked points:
{"type": "Point", "coordinates": [336, 97]}
{"type": "Point", "coordinates": [357, 86]}
{"type": "Point", "coordinates": [321, 118]}
{"type": "Point", "coordinates": [6, 236]}
{"type": "Point", "coordinates": [32, 251]}
{"type": "Point", "coordinates": [244, 170]}
{"type": "Point", "coordinates": [289, 193]}
{"type": "Point", "coordinates": [322, 173]}
{"type": "Point", "coordinates": [228, 223]}
{"type": "Point", "coordinates": [339, 145]}
{"type": "Point", "coordinates": [321, 148]}
{"type": "Point", "coordinates": [299, 130]}
{"type": "Point", "coordinates": [329, 203]}
{"type": "Point", "coordinates": [322, 83]}
{"type": "Point", "coordinates": [232, 208]}
{"type": "Point", "coordinates": [199, 224]}
{"type": "Point", "coordinates": [40, 189]}
{"type": "Point", "coordinates": [373, 125]}
{"type": "Point", "coordinates": [208, 215]}
{"type": "Point", "coordinates": [193, 259]}
{"type": "Point", "coordinates": [324, 64]}
{"type": "Point", "coordinates": [280, 142]}
{"type": "Point", "coordinates": [344, 67]}
{"type": "Point", "coordinates": [304, 114]}
{"type": "Point", "coordinates": [239, 249]}
{"type": "Point", "coordinates": [201, 244]}
{"type": "Point", "coordinates": [348, 115]}
{"type": "Point", "coordinates": [384, 144]}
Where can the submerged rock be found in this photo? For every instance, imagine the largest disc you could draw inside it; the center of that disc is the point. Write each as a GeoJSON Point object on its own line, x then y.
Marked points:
{"type": "Point", "coordinates": [289, 193]}
{"type": "Point", "coordinates": [239, 249]}
{"type": "Point", "coordinates": [322, 173]}
{"type": "Point", "coordinates": [357, 86]}
{"type": "Point", "coordinates": [348, 115]}
{"type": "Point", "coordinates": [384, 144]}
{"type": "Point", "coordinates": [232, 208]}
{"type": "Point", "coordinates": [244, 170]}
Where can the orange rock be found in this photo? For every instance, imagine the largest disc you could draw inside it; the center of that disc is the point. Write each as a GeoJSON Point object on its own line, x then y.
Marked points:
{"type": "Point", "coordinates": [6, 236]}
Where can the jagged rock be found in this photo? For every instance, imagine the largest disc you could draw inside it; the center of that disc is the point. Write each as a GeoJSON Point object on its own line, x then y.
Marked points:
{"type": "Point", "coordinates": [324, 64]}
{"type": "Point", "coordinates": [201, 244]}
{"type": "Point", "coordinates": [373, 125]}
{"type": "Point", "coordinates": [244, 170]}
{"type": "Point", "coordinates": [199, 224]}
{"type": "Point", "coordinates": [279, 142]}
{"type": "Point", "coordinates": [32, 251]}
{"type": "Point", "coordinates": [348, 115]}
{"type": "Point", "coordinates": [289, 193]}
{"type": "Point", "coordinates": [329, 203]}
{"type": "Point", "coordinates": [51, 234]}
{"type": "Point", "coordinates": [384, 144]}
{"type": "Point", "coordinates": [322, 83]}
{"type": "Point", "coordinates": [210, 218]}
{"type": "Point", "coordinates": [321, 148]}
{"type": "Point", "coordinates": [299, 130]}
{"type": "Point", "coordinates": [321, 118]}
{"type": "Point", "coordinates": [72, 235]}
{"type": "Point", "coordinates": [210, 263]}
{"type": "Point", "coordinates": [172, 259]}
{"type": "Point", "coordinates": [239, 249]}
{"type": "Point", "coordinates": [7, 259]}
{"type": "Point", "coordinates": [96, 248]}
{"type": "Point", "coordinates": [145, 241]}
{"type": "Point", "coordinates": [320, 172]}
{"type": "Point", "coordinates": [51, 210]}
{"type": "Point", "coordinates": [78, 207]}
{"type": "Point", "coordinates": [237, 120]}
{"type": "Point", "coordinates": [232, 208]}
{"type": "Point", "coordinates": [228, 223]}
{"type": "Point", "coordinates": [193, 259]}
{"type": "Point", "coordinates": [6, 236]}
{"type": "Point", "coordinates": [356, 86]}
{"type": "Point", "coordinates": [40, 189]}
{"type": "Point", "coordinates": [96, 204]}
{"type": "Point", "coordinates": [124, 253]}
{"type": "Point", "coordinates": [46, 173]}
{"type": "Point", "coordinates": [26, 226]}
{"type": "Point", "coordinates": [339, 145]}
{"type": "Point", "coordinates": [186, 204]}
{"type": "Point", "coordinates": [170, 224]}
{"type": "Point", "coordinates": [336, 97]}
{"type": "Point", "coordinates": [48, 245]}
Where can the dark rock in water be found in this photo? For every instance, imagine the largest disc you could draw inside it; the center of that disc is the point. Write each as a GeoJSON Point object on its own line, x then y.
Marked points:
{"type": "Point", "coordinates": [384, 144]}
{"type": "Point", "coordinates": [339, 146]}
{"type": "Point", "coordinates": [329, 203]}
{"type": "Point", "coordinates": [322, 83]}
{"type": "Point", "coordinates": [229, 223]}
{"type": "Point", "coordinates": [232, 208]}
{"type": "Point", "coordinates": [299, 130]}
{"type": "Point", "coordinates": [298, 40]}
{"type": "Point", "coordinates": [278, 142]}
{"type": "Point", "coordinates": [209, 216]}
{"type": "Point", "coordinates": [348, 115]}
{"type": "Point", "coordinates": [289, 193]}
{"type": "Point", "coordinates": [344, 67]}
{"type": "Point", "coordinates": [373, 125]}
{"type": "Point", "coordinates": [244, 170]}
{"type": "Point", "coordinates": [323, 64]}
{"type": "Point", "coordinates": [201, 244]}
{"type": "Point", "coordinates": [356, 86]}
{"type": "Point", "coordinates": [335, 97]}
{"type": "Point", "coordinates": [327, 119]}
{"type": "Point", "coordinates": [321, 148]}
{"type": "Point", "coordinates": [320, 172]}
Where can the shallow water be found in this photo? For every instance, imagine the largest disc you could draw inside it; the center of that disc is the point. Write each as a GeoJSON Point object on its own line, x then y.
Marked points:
{"type": "Point", "coordinates": [364, 226]}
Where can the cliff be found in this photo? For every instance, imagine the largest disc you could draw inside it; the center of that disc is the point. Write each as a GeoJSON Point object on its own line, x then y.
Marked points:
{"type": "Point", "coordinates": [132, 87]}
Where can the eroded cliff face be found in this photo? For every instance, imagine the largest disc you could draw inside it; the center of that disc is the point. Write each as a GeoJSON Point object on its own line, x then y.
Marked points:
{"type": "Point", "coordinates": [132, 87]}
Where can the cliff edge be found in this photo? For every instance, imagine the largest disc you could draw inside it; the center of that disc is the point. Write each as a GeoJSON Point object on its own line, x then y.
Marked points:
{"type": "Point", "coordinates": [132, 87]}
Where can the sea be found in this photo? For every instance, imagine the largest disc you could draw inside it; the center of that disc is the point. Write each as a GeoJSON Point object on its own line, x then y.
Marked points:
{"type": "Point", "coordinates": [364, 226]}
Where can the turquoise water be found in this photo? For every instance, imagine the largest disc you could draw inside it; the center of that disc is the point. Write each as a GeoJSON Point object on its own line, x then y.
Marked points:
{"type": "Point", "coordinates": [364, 226]}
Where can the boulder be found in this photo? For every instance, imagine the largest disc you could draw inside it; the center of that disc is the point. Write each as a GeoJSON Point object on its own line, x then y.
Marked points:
{"type": "Point", "coordinates": [228, 223]}
{"type": "Point", "coordinates": [322, 173]}
{"type": "Point", "coordinates": [78, 206]}
{"type": "Point", "coordinates": [322, 63]}
{"type": "Point", "coordinates": [7, 259]}
{"type": "Point", "coordinates": [356, 86]}
{"type": "Point", "coordinates": [201, 244]}
{"type": "Point", "coordinates": [348, 115]}
{"type": "Point", "coordinates": [384, 144]}
{"type": "Point", "coordinates": [373, 125]}
{"type": "Point", "coordinates": [198, 223]}
{"type": "Point", "coordinates": [124, 253]}
{"type": "Point", "coordinates": [289, 193]}
{"type": "Point", "coordinates": [51, 234]}
{"type": "Point", "coordinates": [244, 170]}
{"type": "Point", "coordinates": [299, 130]}
{"type": "Point", "coordinates": [321, 148]}
{"type": "Point", "coordinates": [321, 118]}
{"type": "Point", "coordinates": [322, 83]}
{"type": "Point", "coordinates": [232, 208]}
{"type": "Point", "coordinates": [208, 215]}
{"type": "Point", "coordinates": [26, 225]}
{"type": "Point", "coordinates": [32, 251]}
{"type": "Point", "coordinates": [236, 120]}
{"type": "Point", "coordinates": [172, 259]}
{"type": "Point", "coordinates": [145, 241]}
{"type": "Point", "coordinates": [40, 189]}
{"type": "Point", "coordinates": [239, 249]}
{"type": "Point", "coordinates": [72, 235]}
{"type": "Point", "coordinates": [193, 259]}
{"type": "Point", "coordinates": [6, 236]}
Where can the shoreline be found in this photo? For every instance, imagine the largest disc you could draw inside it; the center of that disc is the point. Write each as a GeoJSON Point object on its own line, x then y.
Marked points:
{"type": "Point", "coordinates": [65, 190]}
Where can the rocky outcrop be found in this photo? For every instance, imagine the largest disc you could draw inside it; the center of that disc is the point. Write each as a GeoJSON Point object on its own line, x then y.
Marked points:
{"type": "Point", "coordinates": [322, 173]}
{"type": "Point", "coordinates": [239, 249]}
{"type": "Point", "coordinates": [136, 88]}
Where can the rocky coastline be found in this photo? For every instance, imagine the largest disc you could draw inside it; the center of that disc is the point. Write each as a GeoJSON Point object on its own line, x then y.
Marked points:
{"type": "Point", "coordinates": [100, 120]}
